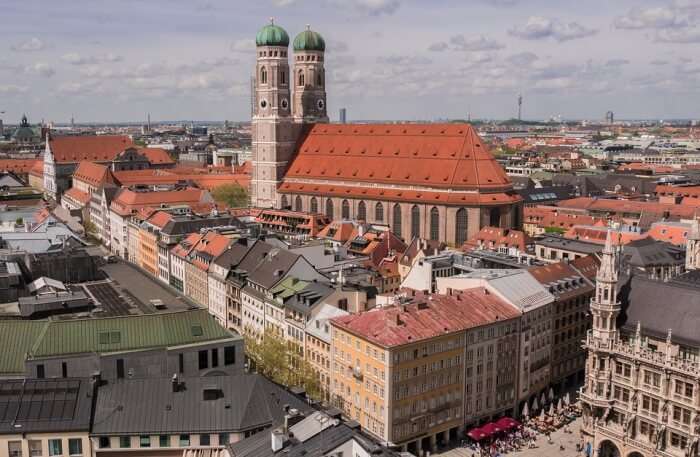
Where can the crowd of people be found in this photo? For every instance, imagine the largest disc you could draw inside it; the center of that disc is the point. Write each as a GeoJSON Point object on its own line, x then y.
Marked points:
{"type": "Point", "coordinates": [525, 435]}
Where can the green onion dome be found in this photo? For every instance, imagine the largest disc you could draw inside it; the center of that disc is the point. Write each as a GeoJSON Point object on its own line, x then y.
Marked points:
{"type": "Point", "coordinates": [272, 35]}
{"type": "Point", "coordinates": [308, 40]}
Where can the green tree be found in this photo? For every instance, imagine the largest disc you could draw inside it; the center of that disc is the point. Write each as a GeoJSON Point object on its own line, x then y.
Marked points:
{"type": "Point", "coordinates": [234, 195]}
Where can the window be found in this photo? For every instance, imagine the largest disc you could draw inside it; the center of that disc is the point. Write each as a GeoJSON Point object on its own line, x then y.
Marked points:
{"type": "Point", "coordinates": [396, 220]}
{"type": "Point", "coordinates": [229, 355]}
{"type": "Point", "coordinates": [120, 368]}
{"type": "Point", "coordinates": [164, 441]}
{"type": "Point", "coordinates": [345, 210]}
{"type": "Point", "coordinates": [215, 357]}
{"type": "Point", "coordinates": [329, 208]}
{"type": "Point", "coordinates": [652, 378]}
{"type": "Point", "coordinates": [204, 440]}
{"type": "Point", "coordinates": [263, 75]}
{"type": "Point", "coordinates": [314, 205]}
{"type": "Point", "coordinates": [40, 371]}
{"type": "Point", "coordinates": [679, 441]}
{"type": "Point", "coordinates": [434, 224]}
{"type": "Point", "coordinates": [301, 78]}
{"type": "Point", "coordinates": [35, 448]}
{"type": "Point", "coordinates": [223, 439]}
{"type": "Point", "coordinates": [124, 442]}
{"type": "Point", "coordinates": [297, 203]}
{"type": "Point", "coordinates": [184, 440]}
{"type": "Point", "coordinates": [105, 442]}
{"type": "Point", "coordinates": [283, 77]}
{"type": "Point", "coordinates": [284, 202]}
{"type": "Point", "coordinates": [181, 362]}
{"type": "Point", "coordinates": [681, 415]}
{"type": "Point", "coordinates": [343, 304]}
{"type": "Point", "coordinates": [14, 448]}
{"type": "Point", "coordinates": [75, 446]}
{"type": "Point", "coordinates": [461, 226]}
{"type": "Point", "coordinates": [319, 79]}
{"type": "Point", "coordinates": [64, 369]}
{"type": "Point", "coordinates": [203, 359]}
{"type": "Point", "coordinates": [495, 217]}
{"type": "Point", "coordinates": [415, 221]}
{"type": "Point", "coordinates": [361, 211]}
{"type": "Point", "coordinates": [55, 447]}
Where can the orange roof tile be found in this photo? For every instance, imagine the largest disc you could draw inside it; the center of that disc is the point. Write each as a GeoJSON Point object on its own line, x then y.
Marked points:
{"type": "Point", "coordinates": [493, 238]}
{"type": "Point", "coordinates": [19, 166]}
{"type": "Point", "coordinates": [156, 156]}
{"type": "Point", "coordinates": [159, 219]}
{"type": "Point", "coordinates": [627, 206]}
{"type": "Point", "coordinates": [77, 195]}
{"type": "Point", "coordinates": [38, 168]}
{"type": "Point", "coordinates": [436, 156]}
{"type": "Point", "coordinates": [103, 148]}
{"type": "Point", "coordinates": [92, 173]}
{"type": "Point", "coordinates": [127, 201]}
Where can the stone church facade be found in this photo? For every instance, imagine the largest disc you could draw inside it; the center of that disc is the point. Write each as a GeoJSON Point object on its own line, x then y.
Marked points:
{"type": "Point", "coordinates": [434, 181]}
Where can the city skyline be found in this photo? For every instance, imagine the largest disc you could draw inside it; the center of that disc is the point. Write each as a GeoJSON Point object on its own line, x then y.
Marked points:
{"type": "Point", "coordinates": [387, 59]}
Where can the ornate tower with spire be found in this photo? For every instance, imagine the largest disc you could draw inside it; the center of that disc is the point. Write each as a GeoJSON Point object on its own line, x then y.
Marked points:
{"type": "Point", "coordinates": [692, 247]}
{"type": "Point", "coordinates": [273, 131]}
{"type": "Point", "coordinates": [309, 78]}
{"type": "Point", "coordinates": [604, 306]}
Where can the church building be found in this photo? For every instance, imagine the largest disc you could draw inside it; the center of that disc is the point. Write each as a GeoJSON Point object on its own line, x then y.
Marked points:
{"type": "Point", "coordinates": [433, 181]}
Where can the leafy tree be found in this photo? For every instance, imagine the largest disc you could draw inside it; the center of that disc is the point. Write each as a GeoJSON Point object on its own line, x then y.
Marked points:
{"type": "Point", "coordinates": [19, 221]}
{"type": "Point", "coordinates": [234, 195]}
{"type": "Point", "coordinates": [555, 230]}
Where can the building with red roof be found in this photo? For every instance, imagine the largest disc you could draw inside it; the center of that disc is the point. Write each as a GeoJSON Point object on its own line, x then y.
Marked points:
{"type": "Point", "coordinates": [507, 241]}
{"type": "Point", "coordinates": [432, 181]}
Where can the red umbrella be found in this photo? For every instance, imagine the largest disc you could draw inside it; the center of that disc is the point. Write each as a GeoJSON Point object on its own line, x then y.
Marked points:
{"type": "Point", "coordinates": [476, 434]}
{"type": "Point", "coordinates": [507, 423]}
{"type": "Point", "coordinates": [490, 429]}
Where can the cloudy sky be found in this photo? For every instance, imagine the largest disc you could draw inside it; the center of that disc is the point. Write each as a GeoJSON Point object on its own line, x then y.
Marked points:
{"type": "Point", "coordinates": [116, 60]}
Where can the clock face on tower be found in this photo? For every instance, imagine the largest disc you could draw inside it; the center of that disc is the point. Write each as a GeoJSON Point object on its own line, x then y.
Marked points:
{"type": "Point", "coordinates": [284, 103]}
{"type": "Point", "coordinates": [263, 103]}
{"type": "Point", "coordinates": [321, 104]}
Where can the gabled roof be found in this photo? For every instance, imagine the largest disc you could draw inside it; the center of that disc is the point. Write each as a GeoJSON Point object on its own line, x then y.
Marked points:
{"type": "Point", "coordinates": [447, 156]}
{"type": "Point", "coordinates": [77, 195]}
{"type": "Point", "coordinates": [19, 166]}
{"type": "Point", "coordinates": [128, 200]}
{"type": "Point", "coordinates": [103, 148]}
{"type": "Point", "coordinates": [159, 219]}
{"type": "Point", "coordinates": [494, 238]}
{"type": "Point", "coordinates": [156, 156]}
{"type": "Point", "coordinates": [266, 264]}
{"type": "Point", "coordinates": [92, 174]}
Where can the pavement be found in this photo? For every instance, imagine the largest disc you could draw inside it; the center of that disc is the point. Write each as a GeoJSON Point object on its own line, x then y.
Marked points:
{"type": "Point", "coordinates": [141, 288]}
{"type": "Point", "coordinates": [543, 449]}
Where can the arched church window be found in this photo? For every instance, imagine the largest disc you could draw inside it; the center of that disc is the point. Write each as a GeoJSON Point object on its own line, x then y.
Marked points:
{"type": "Point", "coordinates": [329, 209]}
{"type": "Point", "coordinates": [263, 75]}
{"type": "Point", "coordinates": [345, 210]}
{"type": "Point", "coordinates": [319, 79]}
{"type": "Point", "coordinates": [434, 224]}
{"type": "Point", "coordinates": [415, 221]}
{"type": "Point", "coordinates": [283, 77]}
{"type": "Point", "coordinates": [379, 212]}
{"type": "Point", "coordinates": [314, 205]}
{"type": "Point", "coordinates": [396, 220]}
{"type": "Point", "coordinates": [284, 202]}
{"type": "Point", "coordinates": [461, 223]}
{"type": "Point", "coordinates": [297, 203]}
{"type": "Point", "coordinates": [301, 77]}
{"type": "Point", "coordinates": [361, 211]}
{"type": "Point", "coordinates": [495, 217]}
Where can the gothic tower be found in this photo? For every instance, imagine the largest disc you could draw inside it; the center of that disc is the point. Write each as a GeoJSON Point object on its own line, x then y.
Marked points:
{"type": "Point", "coordinates": [604, 306]}
{"type": "Point", "coordinates": [692, 247]}
{"type": "Point", "coordinates": [273, 130]}
{"type": "Point", "coordinates": [309, 78]}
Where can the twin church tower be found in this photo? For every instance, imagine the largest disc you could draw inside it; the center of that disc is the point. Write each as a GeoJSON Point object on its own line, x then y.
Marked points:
{"type": "Point", "coordinates": [286, 103]}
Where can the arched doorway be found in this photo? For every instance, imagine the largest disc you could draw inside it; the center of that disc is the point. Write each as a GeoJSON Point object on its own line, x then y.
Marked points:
{"type": "Point", "coordinates": [635, 454]}
{"type": "Point", "coordinates": [607, 449]}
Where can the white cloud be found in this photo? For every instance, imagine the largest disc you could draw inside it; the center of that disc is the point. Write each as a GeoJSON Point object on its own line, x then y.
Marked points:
{"type": "Point", "coordinates": [541, 28]}
{"type": "Point", "coordinates": [9, 89]}
{"type": "Point", "coordinates": [41, 69]}
{"type": "Point", "coordinates": [438, 47]}
{"type": "Point", "coordinates": [75, 58]}
{"type": "Point", "coordinates": [475, 43]}
{"type": "Point", "coordinates": [246, 45]}
{"type": "Point", "coordinates": [650, 18]}
{"type": "Point", "coordinates": [31, 45]}
{"type": "Point", "coordinates": [681, 35]}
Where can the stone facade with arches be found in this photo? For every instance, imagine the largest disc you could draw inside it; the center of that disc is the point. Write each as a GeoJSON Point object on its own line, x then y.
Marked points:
{"type": "Point", "coordinates": [641, 396]}
{"type": "Point", "coordinates": [434, 181]}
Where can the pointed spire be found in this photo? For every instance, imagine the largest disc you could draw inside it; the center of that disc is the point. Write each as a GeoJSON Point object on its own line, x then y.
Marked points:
{"type": "Point", "coordinates": [694, 230]}
{"type": "Point", "coordinates": [609, 248]}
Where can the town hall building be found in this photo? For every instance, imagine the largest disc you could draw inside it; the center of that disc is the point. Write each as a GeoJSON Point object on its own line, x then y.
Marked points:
{"type": "Point", "coordinates": [433, 181]}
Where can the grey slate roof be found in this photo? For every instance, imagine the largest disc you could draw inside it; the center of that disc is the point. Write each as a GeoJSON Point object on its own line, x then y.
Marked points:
{"type": "Point", "coordinates": [647, 252]}
{"type": "Point", "coordinates": [267, 264]}
{"type": "Point", "coordinates": [149, 406]}
{"type": "Point", "coordinates": [45, 405]}
{"type": "Point", "coordinates": [234, 254]}
{"type": "Point", "coordinates": [308, 298]}
{"type": "Point", "coordinates": [559, 242]}
{"type": "Point", "coordinates": [181, 225]}
{"type": "Point", "coordinates": [661, 306]}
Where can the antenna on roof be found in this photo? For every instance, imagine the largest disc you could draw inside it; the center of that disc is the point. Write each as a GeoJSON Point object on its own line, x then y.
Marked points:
{"type": "Point", "coordinates": [272, 20]}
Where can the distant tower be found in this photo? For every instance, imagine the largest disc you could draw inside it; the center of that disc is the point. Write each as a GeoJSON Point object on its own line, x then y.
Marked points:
{"type": "Point", "coordinates": [343, 116]}
{"type": "Point", "coordinates": [610, 118]}
{"type": "Point", "coordinates": [72, 122]}
{"type": "Point", "coordinates": [148, 122]}
{"type": "Point", "coordinates": [692, 247]}
{"type": "Point", "coordinates": [520, 107]}
{"type": "Point", "coordinates": [604, 306]}
{"type": "Point", "coordinates": [309, 78]}
{"type": "Point", "coordinates": [273, 130]}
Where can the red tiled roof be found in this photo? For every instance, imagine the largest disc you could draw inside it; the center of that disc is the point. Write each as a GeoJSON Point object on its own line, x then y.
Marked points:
{"type": "Point", "coordinates": [427, 317]}
{"type": "Point", "coordinates": [127, 201]}
{"type": "Point", "coordinates": [598, 234]}
{"type": "Point", "coordinates": [169, 176]}
{"type": "Point", "coordinates": [19, 166]}
{"type": "Point", "coordinates": [92, 173]}
{"type": "Point", "coordinates": [554, 217]}
{"type": "Point", "coordinates": [156, 156]}
{"type": "Point", "coordinates": [627, 206]}
{"type": "Point", "coordinates": [160, 218]}
{"type": "Point", "coordinates": [342, 231]}
{"type": "Point", "coordinates": [77, 195]}
{"type": "Point", "coordinates": [673, 233]}
{"type": "Point", "coordinates": [38, 168]}
{"type": "Point", "coordinates": [103, 148]}
{"type": "Point", "coordinates": [184, 247]}
{"type": "Point", "coordinates": [436, 156]}
{"type": "Point", "coordinates": [493, 238]}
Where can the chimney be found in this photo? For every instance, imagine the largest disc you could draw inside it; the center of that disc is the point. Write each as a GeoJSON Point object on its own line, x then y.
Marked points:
{"type": "Point", "coordinates": [277, 440]}
{"type": "Point", "coordinates": [175, 383]}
